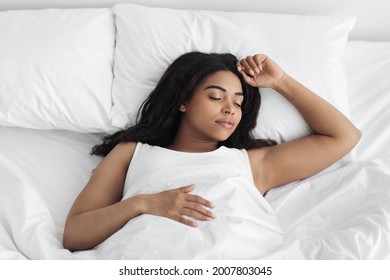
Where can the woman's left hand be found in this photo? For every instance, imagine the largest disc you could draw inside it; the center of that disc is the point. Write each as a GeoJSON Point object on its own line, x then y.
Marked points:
{"type": "Point", "coordinates": [260, 71]}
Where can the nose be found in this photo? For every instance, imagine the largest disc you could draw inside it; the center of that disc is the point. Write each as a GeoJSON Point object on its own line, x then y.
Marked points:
{"type": "Point", "coordinates": [228, 112]}
{"type": "Point", "coordinates": [228, 109]}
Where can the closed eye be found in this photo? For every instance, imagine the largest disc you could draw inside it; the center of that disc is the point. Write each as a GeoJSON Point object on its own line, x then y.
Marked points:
{"type": "Point", "coordinates": [238, 104]}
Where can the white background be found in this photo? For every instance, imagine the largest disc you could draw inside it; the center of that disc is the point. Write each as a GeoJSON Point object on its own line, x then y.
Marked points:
{"type": "Point", "coordinates": [373, 15]}
{"type": "Point", "coordinates": [281, 270]}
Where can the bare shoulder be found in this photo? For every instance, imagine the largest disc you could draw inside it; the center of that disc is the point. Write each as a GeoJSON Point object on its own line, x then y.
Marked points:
{"type": "Point", "coordinates": [105, 186]}
{"type": "Point", "coordinates": [123, 152]}
{"type": "Point", "coordinates": [127, 147]}
{"type": "Point", "coordinates": [111, 171]}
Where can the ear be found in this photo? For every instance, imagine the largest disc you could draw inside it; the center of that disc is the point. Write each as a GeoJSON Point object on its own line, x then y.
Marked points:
{"type": "Point", "coordinates": [182, 108]}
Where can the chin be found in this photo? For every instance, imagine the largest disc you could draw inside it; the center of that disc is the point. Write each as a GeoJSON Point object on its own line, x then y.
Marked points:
{"type": "Point", "coordinates": [221, 135]}
{"type": "Point", "coordinates": [222, 138]}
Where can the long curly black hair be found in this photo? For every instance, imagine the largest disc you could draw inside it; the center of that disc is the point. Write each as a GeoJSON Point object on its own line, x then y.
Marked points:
{"type": "Point", "coordinates": [159, 117]}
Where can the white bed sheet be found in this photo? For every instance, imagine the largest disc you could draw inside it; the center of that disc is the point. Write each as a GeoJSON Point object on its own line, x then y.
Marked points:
{"type": "Point", "coordinates": [341, 213]}
{"type": "Point", "coordinates": [41, 173]}
{"type": "Point", "coordinates": [367, 65]}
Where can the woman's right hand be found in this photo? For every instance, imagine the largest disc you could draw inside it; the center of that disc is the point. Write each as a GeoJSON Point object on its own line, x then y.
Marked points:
{"type": "Point", "coordinates": [177, 203]}
{"type": "Point", "coordinates": [260, 71]}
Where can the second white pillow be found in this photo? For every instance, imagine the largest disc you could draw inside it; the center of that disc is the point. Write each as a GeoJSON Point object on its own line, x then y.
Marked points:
{"type": "Point", "coordinates": [309, 48]}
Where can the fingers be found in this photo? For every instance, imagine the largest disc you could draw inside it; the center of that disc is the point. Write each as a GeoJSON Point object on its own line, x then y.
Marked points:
{"type": "Point", "coordinates": [187, 189]}
{"type": "Point", "coordinates": [200, 200]}
{"type": "Point", "coordinates": [252, 65]}
{"type": "Point", "coordinates": [195, 198]}
{"type": "Point", "coordinates": [187, 222]}
{"type": "Point", "coordinates": [192, 206]}
{"type": "Point", "coordinates": [196, 212]}
{"type": "Point", "coordinates": [248, 79]}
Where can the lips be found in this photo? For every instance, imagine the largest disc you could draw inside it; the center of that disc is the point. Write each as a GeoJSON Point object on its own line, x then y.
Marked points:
{"type": "Point", "coordinates": [226, 123]}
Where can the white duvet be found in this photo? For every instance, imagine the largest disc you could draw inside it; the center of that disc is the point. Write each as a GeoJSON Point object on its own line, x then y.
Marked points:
{"type": "Point", "coordinates": [342, 213]}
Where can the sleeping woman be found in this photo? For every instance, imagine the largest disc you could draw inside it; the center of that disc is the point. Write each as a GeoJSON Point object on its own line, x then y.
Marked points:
{"type": "Point", "coordinates": [191, 160]}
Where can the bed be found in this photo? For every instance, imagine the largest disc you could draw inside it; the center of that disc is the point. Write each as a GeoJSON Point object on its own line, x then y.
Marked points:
{"type": "Point", "coordinates": [52, 113]}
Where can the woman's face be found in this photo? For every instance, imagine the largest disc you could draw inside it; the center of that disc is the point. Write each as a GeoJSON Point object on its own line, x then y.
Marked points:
{"type": "Point", "coordinates": [214, 110]}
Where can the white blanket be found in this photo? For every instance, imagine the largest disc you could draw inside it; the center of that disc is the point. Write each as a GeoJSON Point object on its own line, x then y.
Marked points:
{"type": "Point", "coordinates": [342, 213]}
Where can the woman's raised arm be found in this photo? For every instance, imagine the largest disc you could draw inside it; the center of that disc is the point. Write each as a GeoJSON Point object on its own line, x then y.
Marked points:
{"type": "Point", "coordinates": [333, 134]}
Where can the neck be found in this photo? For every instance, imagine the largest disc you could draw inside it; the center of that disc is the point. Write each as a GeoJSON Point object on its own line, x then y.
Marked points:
{"type": "Point", "coordinates": [192, 145]}
{"type": "Point", "coordinates": [192, 148]}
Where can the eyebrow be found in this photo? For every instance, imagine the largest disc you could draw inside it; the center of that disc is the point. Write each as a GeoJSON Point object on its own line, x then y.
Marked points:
{"type": "Point", "coordinates": [224, 90]}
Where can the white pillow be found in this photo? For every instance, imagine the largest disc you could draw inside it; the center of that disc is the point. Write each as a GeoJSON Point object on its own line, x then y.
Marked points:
{"type": "Point", "coordinates": [309, 48]}
{"type": "Point", "coordinates": [56, 68]}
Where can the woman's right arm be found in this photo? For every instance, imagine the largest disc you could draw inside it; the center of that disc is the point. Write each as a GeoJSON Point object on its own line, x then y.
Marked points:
{"type": "Point", "coordinates": [99, 210]}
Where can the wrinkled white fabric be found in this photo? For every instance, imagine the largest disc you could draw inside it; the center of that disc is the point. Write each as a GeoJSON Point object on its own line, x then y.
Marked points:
{"type": "Point", "coordinates": [368, 68]}
{"type": "Point", "coordinates": [245, 226]}
{"type": "Point", "coordinates": [340, 213]}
